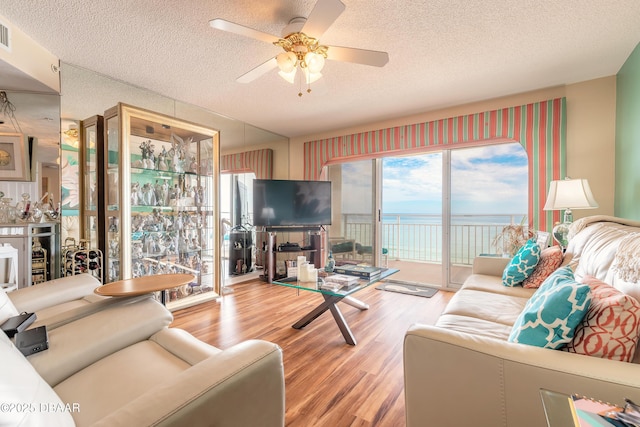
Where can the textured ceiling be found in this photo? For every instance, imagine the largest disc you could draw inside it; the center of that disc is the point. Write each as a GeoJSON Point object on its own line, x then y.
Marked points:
{"type": "Point", "coordinates": [441, 52]}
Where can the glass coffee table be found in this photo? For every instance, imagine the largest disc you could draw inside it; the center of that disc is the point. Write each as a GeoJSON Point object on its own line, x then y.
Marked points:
{"type": "Point", "coordinates": [332, 298]}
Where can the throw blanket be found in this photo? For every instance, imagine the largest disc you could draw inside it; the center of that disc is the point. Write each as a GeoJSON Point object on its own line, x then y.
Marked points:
{"type": "Point", "coordinates": [627, 261]}
{"type": "Point", "coordinates": [582, 223]}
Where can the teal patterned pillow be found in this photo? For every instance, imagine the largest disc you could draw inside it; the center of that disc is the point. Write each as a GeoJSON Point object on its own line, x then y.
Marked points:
{"type": "Point", "coordinates": [522, 264]}
{"type": "Point", "coordinates": [550, 317]}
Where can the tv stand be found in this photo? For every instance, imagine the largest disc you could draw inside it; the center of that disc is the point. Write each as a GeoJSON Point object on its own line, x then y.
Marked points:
{"type": "Point", "coordinates": [314, 251]}
{"type": "Point", "coordinates": [294, 229]}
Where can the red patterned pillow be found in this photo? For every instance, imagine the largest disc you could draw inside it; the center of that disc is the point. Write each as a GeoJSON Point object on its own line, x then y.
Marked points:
{"type": "Point", "coordinates": [550, 260]}
{"type": "Point", "coordinates": [610, 328]}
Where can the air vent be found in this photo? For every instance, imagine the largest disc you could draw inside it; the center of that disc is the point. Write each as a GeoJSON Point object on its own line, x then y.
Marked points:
{"type": "Point", "coordinates": [5, 37]}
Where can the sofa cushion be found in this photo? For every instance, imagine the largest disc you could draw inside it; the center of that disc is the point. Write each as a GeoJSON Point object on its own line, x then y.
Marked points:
{"type": "Point", "coordinates": [122, 376]}
{"type": "Point", "coordinates": [551, 315]}
{"type": "Point", "coordinates": [610, 328]}
{"type": "Point", "coordinates": [7, 309]}
{"type": "Point", "coordinates": [550, 260]}
{"type": "Point", "coordinates": [522, 264]}
{"type": "Point", "coordinates": [487, 283]}
{"type": "Point", "coordinates": [474, 326]}
{"type": "Point", "coordinates": [129, 373]}
{"type": "Point", "coordinates": [27, 398]}
{"type": "Point", "coordinates": [498, 308]}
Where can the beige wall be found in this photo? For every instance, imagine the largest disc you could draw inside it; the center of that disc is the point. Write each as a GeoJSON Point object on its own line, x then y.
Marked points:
{"type": "Point", "coordinates": [30, 58]}
{"type": "Point", "coordinates": [591, 140]}
{"type": "Point", "coordinates": [280, 156]}
{"type": "Point", "coordinates": [590, 133]}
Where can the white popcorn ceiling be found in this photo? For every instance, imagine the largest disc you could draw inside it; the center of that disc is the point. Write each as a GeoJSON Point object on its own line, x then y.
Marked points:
{"type": "Point", "coordinates": [441, 52]}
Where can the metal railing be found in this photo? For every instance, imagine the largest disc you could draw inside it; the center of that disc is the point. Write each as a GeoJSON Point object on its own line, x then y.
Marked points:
{"type": "Point", "coordinates": [416, 237]}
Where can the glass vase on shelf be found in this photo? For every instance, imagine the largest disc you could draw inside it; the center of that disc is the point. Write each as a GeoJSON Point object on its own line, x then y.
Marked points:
{"type": "Point", "coordinates": [23, 208]}
{"type": "Point", "coordinates": [51, 211]}
{"type": "Point", "coordinates": [7, 212]}
{"type": "Point", "coordinates": [36, 212]}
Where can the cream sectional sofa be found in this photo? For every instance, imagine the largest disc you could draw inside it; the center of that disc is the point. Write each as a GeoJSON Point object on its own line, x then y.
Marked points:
{"type": "Point", "coordinates": [57, 301]}
{"type": "Point", "coordinates": [464, 371]}
{"type": "Point", "coordinates": [123, 366]}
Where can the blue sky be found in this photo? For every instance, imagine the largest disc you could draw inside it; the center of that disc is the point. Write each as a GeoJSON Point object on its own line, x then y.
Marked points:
{"type": "Point", "coordinates": [485, 180]}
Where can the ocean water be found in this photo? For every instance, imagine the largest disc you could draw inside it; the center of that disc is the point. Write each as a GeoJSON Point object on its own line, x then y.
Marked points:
{"type": "Point", "coordinates": [419, 237]}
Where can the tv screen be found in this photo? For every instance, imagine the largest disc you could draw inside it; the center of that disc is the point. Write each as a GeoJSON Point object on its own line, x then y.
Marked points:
{"type": "Point", "coordinates": [291, 203]}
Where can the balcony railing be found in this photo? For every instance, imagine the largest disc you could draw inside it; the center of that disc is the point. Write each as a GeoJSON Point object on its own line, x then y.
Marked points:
{"type": "Point", "coordinates": [415, 237]}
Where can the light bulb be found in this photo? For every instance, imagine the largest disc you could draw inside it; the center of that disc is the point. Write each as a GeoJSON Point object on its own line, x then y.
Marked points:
{"type": "Point", "coordinates": [314, 62]}
{"type": "Point", "coordinates": [287, 61]}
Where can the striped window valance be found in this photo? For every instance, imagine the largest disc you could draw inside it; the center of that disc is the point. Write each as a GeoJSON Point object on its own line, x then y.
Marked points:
{"type": "Point", "coordinates": [540, 127]}
{"type": "Point", "coordinates": [259, 162]}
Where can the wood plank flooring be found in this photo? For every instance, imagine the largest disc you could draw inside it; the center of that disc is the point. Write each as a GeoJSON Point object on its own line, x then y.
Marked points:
{"type": "Point", "coordinates": [328, 382]}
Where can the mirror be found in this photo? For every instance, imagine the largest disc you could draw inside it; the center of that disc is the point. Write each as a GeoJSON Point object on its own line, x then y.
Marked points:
{"type": "Point", "coordinates": [33, 109]}
{"type": "Point", "coordinates": [53, 120]}
{"type": "Point", "coordinates": [86, 94]}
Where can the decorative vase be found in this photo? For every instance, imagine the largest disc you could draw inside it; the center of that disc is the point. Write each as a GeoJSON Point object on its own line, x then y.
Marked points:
{"type": "Point", "coordinates": [331, 263]}
{"type": "Point", "coordinates": [23, 208]}
{"type": "Point", "coordinates": [7, 212]}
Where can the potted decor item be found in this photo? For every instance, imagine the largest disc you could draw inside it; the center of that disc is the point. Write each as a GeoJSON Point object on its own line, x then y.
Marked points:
{"type": "Point", "coordinates": [331, 263]}
{"type": "Point", "coordinates": [512, 237]}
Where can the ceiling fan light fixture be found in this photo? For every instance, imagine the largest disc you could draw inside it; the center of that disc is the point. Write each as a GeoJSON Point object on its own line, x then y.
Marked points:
{"type": "Point", "coordinates": [311, 77]}
{"type": "Point", "coordinates": [290, 76]}
{"type": "Point", "coordinates": [302, 51]}
{"type": "Point", "coordinates": [287, 62]}
{"type": "Point", "coordinates": [314, 62]}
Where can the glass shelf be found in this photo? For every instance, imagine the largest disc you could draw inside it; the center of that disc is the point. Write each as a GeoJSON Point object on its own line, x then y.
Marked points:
{"type": "Point", "coordinates": [162, 199]}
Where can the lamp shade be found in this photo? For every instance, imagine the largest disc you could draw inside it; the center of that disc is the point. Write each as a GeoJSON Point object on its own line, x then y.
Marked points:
{"type": "Point", "coordinates": [268, 213]}
{"type": "Point", "coordinates": [314, 62]}
{"type": "Point", "coordinates": [290, 77]}
{"type": "Point", "coordinates": [311, 77]}
{"type": "Point", "coordinates": [287, 61]}
{"type": "Point", "coordinates": [570, 194]}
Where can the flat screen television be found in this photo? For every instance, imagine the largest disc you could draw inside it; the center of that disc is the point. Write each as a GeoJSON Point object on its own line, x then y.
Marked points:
{"type": "Point", "coordinates": [287, 203]}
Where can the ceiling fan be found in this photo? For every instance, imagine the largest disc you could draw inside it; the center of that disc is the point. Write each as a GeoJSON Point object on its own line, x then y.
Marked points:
{"type": "Point", "coordinates": [301, 47]}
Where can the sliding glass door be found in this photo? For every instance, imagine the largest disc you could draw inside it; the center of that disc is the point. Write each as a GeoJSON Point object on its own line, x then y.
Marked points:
{"type": "Point", "coordinates": [428, 214]}
{"type": "Point", "coordinates": [488, 192]}
{"type": "Point", "coordinates": [411, 219]}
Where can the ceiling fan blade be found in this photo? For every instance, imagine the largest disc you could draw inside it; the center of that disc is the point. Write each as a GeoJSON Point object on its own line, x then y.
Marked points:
{"type": "Point", "coordinates": [359, 56]}
{"type": "Point", "coordinates": [259, 71]}
{"type": "Point", "coordinates": [324, 13]}
{"type": "Point", "coordinates": [231, 27]}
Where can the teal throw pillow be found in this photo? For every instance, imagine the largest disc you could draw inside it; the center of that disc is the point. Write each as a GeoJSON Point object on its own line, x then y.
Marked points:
{"type": "Point", "coordinates": [522, 264]}
{"type": "Point", "coordinates": [551, 315]}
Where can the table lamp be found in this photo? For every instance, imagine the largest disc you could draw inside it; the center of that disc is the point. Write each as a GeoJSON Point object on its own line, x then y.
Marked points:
{"type": "Point", "coordinates": [568, 194]}
{"type": "Point", "coordinates": [268, 214]}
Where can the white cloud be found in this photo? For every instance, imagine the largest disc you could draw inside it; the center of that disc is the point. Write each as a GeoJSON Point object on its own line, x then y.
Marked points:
{"type": "Point", "coordinates": [485, 179]}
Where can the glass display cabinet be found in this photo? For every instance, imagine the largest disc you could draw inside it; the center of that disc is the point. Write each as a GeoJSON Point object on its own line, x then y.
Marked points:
{"type": "Point", "coordinates": [91, 159]}
{"type": "Point", "coordinates": [161, 210]}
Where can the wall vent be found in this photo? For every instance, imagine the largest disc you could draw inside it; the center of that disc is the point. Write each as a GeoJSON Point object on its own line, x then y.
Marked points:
{"type": "Point", "coordinates": [5, 37]}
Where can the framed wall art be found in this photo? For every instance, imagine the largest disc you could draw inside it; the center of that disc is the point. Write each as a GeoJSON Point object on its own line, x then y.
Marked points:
{"type": "Point", "coordinates": [14, 164]}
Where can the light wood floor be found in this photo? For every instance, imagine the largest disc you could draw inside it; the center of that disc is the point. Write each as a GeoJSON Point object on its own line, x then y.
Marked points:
{"type": "Point", "coordinates": [328, 383]}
